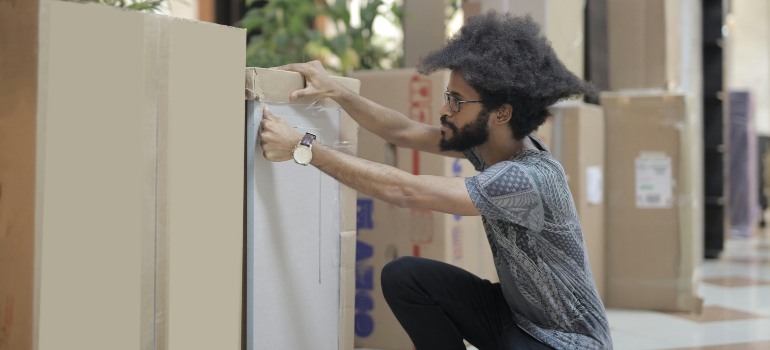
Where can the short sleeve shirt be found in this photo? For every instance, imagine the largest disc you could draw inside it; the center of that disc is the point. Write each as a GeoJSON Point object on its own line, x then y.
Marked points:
{"type": "Point", "coordinates": [533, 229]}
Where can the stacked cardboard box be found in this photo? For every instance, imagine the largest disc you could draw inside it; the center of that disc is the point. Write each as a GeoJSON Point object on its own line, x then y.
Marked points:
{"type": "Point", "coordinates": [645, 44]}
{"type": "Point", "coordinates": [654, 241]}
{"type": "Point", "coordinates": [654, 217]}
{"type": "Point", "coordinates": [424, 28]}
{"type": "Point", "coordinates": [121, 170]}
{"type": "Point", "coordinates": [562, 23]}
{"type": "Point", "coordinates": [300, 272]}
{"type": "Point", "coordinates": [575, 137]}
{"type": "Point", "coordinates": [385, 231]}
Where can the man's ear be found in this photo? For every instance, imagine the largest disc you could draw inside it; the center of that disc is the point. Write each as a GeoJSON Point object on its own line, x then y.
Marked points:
{"type": "Point", "coordinates": [503, 114]}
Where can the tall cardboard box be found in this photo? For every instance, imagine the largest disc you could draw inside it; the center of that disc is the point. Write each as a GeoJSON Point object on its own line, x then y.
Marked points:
{"type": "Point", "coordinates": [300, 225]}
{"type": "Point", "coordinates": [121, 172]}
{"type": "Point", "coordinates": [385, 231]}
{"type": "Point", "coordinates": [645, 43]}
{"type": "Point", "coordinates": [575, 136]}
{"type": "Point", "coordinates": [562, 23]}
{"type": "Point", "coordinates": [654, 246]}
{"type": "Point", "coordinates": [424, 28]}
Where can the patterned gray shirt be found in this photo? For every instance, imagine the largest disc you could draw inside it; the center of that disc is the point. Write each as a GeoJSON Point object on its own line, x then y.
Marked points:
{"type": "Point", "coordinates": [532, 225]}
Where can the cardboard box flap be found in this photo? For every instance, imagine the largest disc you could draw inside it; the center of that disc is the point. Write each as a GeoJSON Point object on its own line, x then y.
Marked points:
{"type": "Point", "coordinates": [271, 85]}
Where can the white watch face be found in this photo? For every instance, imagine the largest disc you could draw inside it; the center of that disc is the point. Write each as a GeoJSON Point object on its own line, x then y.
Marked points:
{"type": "Point", "coordinates": [303, 155]}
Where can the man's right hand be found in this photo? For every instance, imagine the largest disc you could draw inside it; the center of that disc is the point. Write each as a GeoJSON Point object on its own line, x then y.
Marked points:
{"type": "Point", "coordinates": [319, 84]}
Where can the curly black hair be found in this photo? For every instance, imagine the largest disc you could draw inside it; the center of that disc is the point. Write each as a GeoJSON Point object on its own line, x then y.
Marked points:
{"type": "Point", "coordinates": [507, 60]}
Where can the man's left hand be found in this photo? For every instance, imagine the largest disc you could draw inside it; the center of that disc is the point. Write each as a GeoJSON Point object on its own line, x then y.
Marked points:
{"type": "Point", "coordinates": [277, 137]}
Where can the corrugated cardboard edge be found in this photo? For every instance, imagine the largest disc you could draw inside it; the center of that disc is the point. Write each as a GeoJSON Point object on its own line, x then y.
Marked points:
{"type": "Point", "coordinates": [348, 198]}
{"type": "Point", "coordinates": [347, 289]}
{"type": "Point", "coordinates": [162, 205]}
{"type": "Point", "coordinates": [42, 113]}
{"type": "Point", "coordinates": [261, 84]}
{"type": "Point", "coordinates": [690, 207]}
{"type": "Point", "coordinates": [151, 59]}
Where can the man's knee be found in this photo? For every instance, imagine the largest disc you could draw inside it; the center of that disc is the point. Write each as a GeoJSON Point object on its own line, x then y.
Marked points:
{"type": "Point", "coordinates": [398, 273]}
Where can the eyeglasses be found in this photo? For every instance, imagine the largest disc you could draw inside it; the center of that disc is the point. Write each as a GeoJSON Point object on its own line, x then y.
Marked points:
{"type": "Point", "coordinates": [454, 102]}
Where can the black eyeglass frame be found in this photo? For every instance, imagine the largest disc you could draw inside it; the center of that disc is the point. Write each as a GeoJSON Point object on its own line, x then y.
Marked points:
{"type": "Point", "coordinates": [448, 97]}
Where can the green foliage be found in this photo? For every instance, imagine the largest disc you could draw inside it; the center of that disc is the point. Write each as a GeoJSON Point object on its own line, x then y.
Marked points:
{"type": "Point", "coordinates": [288, 34]}
{"type": "Point", "coordinates": [136, 5]}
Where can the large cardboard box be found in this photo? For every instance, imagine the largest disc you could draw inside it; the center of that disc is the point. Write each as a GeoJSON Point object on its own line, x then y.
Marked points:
{"type": "Point", "coordinates": [121, 171]}
{"type": "Point", "coordinates": [575, 137]}
{"type": "Point", "coordinates": [300, 225]}
{"type": "Point", "coordinates": [385, 231]}
{"type": "Point", "coordinates": [425, 28]}
{"type": "Point", "coordinates": [562, 22]}
{"type": "Point", "coordinates": [654, 245]}
{"type": "Point", "coordinates": [645, 43]}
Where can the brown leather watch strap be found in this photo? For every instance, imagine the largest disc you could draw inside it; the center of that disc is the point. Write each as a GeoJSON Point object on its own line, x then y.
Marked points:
{"type": "Point", "coordinates": [307, 140]}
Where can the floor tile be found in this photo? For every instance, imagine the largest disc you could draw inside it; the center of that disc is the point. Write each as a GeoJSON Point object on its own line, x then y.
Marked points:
{"type": "Point", "coordinates": [717, 268]}
{"type": "Point", "coordinates": [627, 340]}
{"type": "Point", "coordinates": [764, 345]}
{"type": "Point", "coordinates": [753, 299]}
{"type": "Point", "coordinates": [735, 281]}
{"type": "Point", "coordinates": [715, 314]}
{"type": "Point", "coordinates": [712, 333]}
{"type": "Point", "coordinates": [749, 259]}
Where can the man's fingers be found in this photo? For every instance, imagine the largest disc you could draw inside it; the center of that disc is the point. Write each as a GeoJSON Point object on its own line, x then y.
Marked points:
{"type": "Point", "coordinates": [303, 68]}
{"type": "Point", "coordinates": [298, 94]}
{"type": "Point", "coordinates": [266, 114]}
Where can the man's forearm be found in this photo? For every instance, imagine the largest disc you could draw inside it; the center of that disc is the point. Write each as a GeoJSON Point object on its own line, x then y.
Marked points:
{"type": "Point", "coordinates": [374, 179]}
{"type": "Point", "coordinates": [382, 121]}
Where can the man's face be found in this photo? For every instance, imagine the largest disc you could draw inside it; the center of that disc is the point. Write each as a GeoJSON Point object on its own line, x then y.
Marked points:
{"type": "Point", "coordinates": [467, 128]}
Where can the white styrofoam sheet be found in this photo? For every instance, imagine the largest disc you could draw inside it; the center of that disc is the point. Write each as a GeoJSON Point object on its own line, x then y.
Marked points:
{"type": "Point", "coordinates": [293, 239]}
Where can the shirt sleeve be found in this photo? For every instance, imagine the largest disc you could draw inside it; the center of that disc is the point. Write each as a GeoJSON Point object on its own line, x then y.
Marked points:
{"type": "Point", "coordinates": [507, 191]}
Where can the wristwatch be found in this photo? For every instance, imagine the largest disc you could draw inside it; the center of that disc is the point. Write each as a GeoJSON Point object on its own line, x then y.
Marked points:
{"type": "Point", "coordinates": [303, 152]}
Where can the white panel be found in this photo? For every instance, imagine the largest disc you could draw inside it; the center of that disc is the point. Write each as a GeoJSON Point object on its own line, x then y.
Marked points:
{"type": "Point", "coordinates": [293, 234]}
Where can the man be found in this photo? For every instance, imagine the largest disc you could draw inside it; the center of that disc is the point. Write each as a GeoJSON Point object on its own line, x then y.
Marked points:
{"type": "Point", "coordinates": [504, 75]}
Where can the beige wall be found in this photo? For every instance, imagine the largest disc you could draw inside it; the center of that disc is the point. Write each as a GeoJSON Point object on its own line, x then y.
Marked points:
{"type": "Point", "coordinates": [749, 56]}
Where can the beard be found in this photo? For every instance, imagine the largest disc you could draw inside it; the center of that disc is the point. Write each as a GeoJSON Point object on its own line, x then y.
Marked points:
{"type": "Point", "coordinates": [471, 135]}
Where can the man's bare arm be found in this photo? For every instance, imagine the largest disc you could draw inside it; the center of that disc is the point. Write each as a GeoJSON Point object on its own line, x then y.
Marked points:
{"type": "Point", "coordinates": [384, 122]}
{"type": "Point", "coordinates": [443, 194]}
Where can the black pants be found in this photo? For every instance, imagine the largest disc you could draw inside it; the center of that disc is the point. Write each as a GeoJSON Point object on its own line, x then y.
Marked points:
{"type": "Point", "coordinates": [439, 305]}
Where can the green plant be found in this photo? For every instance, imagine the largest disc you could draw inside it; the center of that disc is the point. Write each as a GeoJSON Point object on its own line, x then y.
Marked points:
{"type": "Point", "coordinates": [137, 5]}
{"type": "Point", "coordinates": [292, 31]}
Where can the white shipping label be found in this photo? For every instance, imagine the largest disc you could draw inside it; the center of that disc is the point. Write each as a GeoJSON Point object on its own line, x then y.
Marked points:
{"type": "Point", "coordinates": [653, 182]}
{"type": "Point", "coordinates": [594, 185]}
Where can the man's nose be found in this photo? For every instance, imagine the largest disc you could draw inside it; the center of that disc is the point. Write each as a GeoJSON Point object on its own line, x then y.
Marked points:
{"type": "Point", "coordinates": [445, 110]}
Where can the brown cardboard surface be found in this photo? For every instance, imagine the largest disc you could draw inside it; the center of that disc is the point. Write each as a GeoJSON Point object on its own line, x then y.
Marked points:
{"type": "Point", "coordinates": [83, 171]}
{"type": "Point", "coordinates": [203, 190]}
{"type": "Point", "coordinates": [424, 28]}
{"type": "Point", "coordinates": [652, 253]}
{"type": "Point", "coordinates": [575, 136]}
{"type": "Point", "coordinates": [644, 43]}
{"type": "Point", "coordinates": [397, 231]}
{"type": "Point", "coordinates": [92, 180]}
{"type": "Point", "coordinates": [18, 100]}
{"type": "Point", "coordinates": [562, 23]}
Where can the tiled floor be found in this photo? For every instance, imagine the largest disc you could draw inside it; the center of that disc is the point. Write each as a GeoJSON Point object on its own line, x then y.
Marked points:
{"type": "Point", "coordinates": [736, 311]}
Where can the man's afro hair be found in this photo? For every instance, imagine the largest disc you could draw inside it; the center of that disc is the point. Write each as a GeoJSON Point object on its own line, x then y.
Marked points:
{"type": "Point", "coordinates": [507, 60]}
